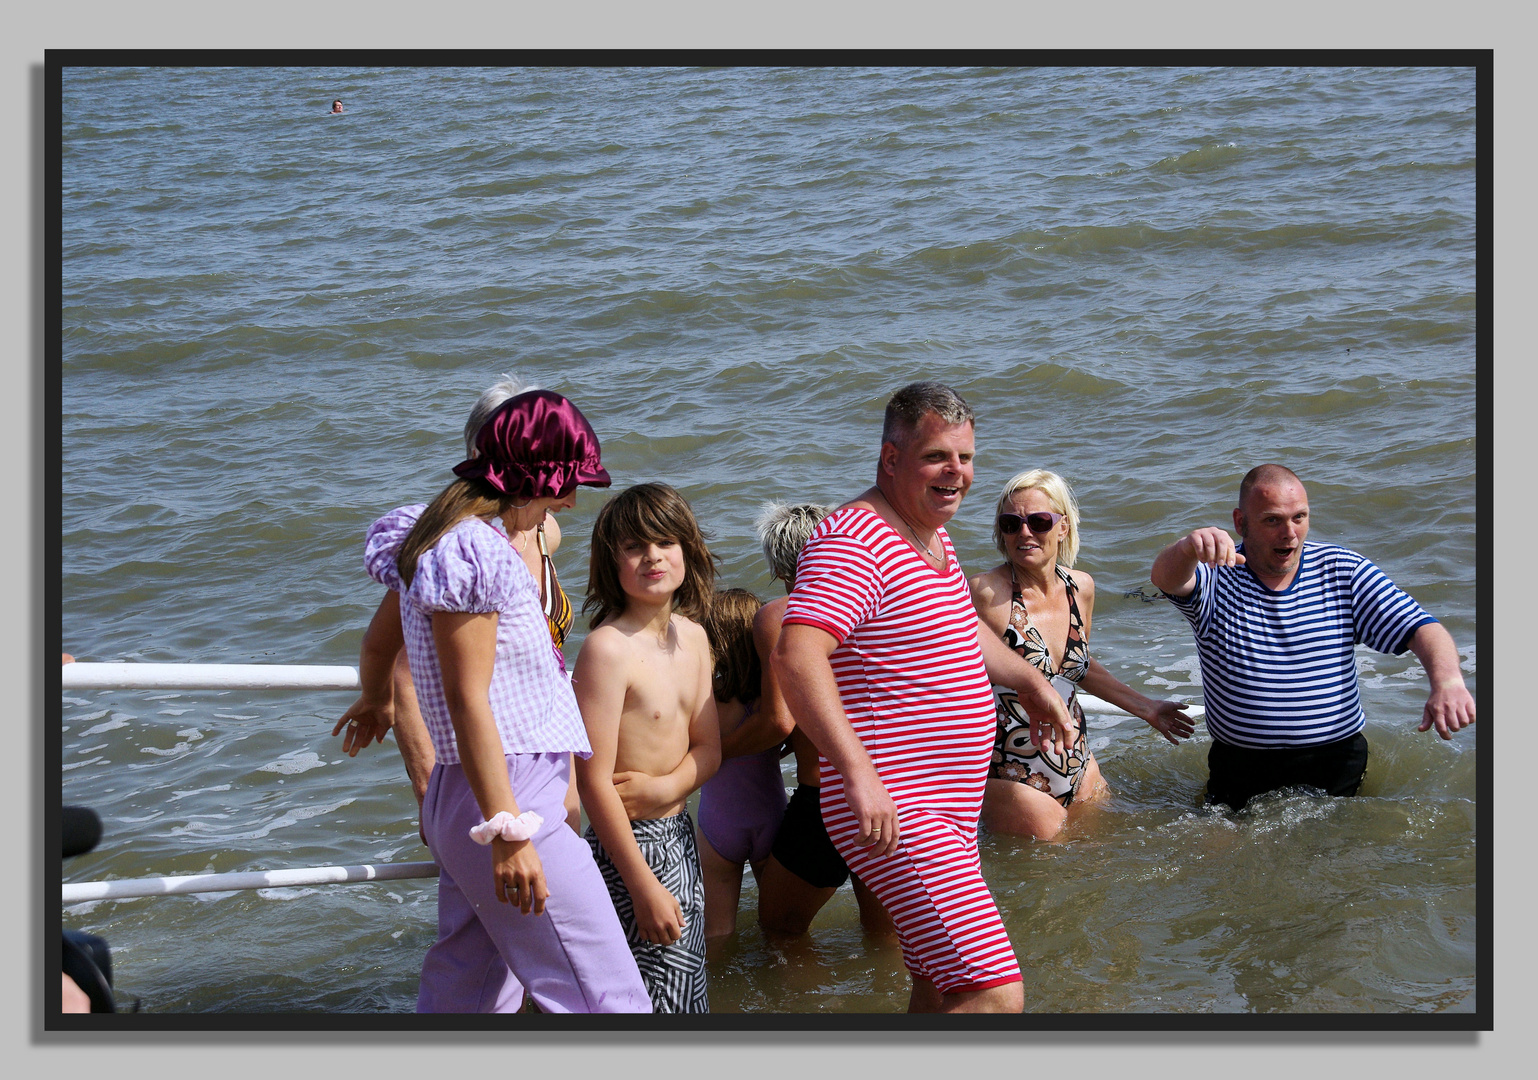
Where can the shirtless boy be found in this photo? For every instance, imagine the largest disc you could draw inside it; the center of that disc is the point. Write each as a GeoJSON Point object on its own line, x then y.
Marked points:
{"type": "Point", "coordinates": [643, 683]}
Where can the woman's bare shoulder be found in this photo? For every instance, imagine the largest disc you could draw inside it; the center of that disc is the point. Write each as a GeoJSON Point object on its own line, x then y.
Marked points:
{"type": "Point", "coordinates": [1082, 581]}
{"type": "Point", "coordinates": [1085, 586]}
{"type": "Point", "coordinates": [552, 531]}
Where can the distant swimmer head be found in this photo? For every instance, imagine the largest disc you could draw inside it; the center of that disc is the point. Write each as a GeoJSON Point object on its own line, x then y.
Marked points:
{"type": "Point", "coordinates": [536, 445]}
{"type": "Point", "coordinates": [336, 106]}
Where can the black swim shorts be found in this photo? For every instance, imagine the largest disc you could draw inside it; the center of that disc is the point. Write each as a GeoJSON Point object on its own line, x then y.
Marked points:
{"type": "Point", "coordinates": [1240, 773]}
{"type": "Point", "coordinates": [802, 845]}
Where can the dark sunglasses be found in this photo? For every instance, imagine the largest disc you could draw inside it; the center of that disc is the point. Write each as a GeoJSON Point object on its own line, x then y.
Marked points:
{"type": "Point", "coordinates": [1040, 522]}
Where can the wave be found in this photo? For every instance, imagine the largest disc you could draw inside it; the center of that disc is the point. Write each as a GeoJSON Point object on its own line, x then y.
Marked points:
{"type": "Point", "coordinates": [1203, 159]}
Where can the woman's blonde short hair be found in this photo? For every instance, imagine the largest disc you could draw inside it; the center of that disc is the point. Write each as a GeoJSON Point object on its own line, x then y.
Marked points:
{"type": "Point", "coordinates": [1058, 493]}
{"type": "Point", "coordinates": [784, 530]}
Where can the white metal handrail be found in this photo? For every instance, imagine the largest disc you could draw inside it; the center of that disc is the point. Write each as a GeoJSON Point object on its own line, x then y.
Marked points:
{"type": "Point", "coordinates": [90, 676]}
{"type": "Point", "coordinates": [81, 891]}
{"type": "Point", "coordinates": [93, 676]}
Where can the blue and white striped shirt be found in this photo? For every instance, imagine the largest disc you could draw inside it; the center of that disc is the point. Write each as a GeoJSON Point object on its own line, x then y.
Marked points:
{"type": "Point", "coordinates": [1278, 668]}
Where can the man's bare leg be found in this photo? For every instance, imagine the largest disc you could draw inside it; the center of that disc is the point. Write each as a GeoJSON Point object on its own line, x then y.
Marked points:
{"type": "Point", "coordinates": [786, 903]}
{"type": "Point", "coordinates": [1009, 998]}
{"type": "Point", "coordinates": [874, 918]}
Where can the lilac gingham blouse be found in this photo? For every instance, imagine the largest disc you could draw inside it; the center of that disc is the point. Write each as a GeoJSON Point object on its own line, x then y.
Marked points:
{"type": "Point", "coordinates": [473, 568]}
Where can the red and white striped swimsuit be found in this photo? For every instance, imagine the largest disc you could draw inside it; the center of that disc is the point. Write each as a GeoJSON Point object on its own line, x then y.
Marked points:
{"type": "Point", "coordinates": [910, 674]}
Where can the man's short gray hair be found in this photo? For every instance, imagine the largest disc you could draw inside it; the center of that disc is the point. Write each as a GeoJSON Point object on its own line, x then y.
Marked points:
{"type": "Point", "coordinates": [783, 530]}
{"type": "Point", "coordinates": [909, 405]}
{"type": "Point", "coordinates": [1265, 474]}
{"type": "Point", "coordinates": [506, 386]}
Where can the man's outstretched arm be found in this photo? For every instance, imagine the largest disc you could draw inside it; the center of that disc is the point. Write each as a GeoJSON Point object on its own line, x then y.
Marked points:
{"type": "Point", "coordinates": [1174, 569]}
{"type": "Point", "coordinates": [1450, 707]}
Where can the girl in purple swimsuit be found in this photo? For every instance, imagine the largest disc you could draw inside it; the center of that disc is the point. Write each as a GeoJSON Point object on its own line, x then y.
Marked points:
{"type": "Point", "coordinates": [1042, 609]}
{"type": "Point", "coordinates": [742, 804]}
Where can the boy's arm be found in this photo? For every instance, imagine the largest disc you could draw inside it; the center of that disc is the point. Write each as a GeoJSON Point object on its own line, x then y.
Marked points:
{"type": "Point", "coordinates": [601, 698]}
{"type": "Point", "coordinates": [704, 726]}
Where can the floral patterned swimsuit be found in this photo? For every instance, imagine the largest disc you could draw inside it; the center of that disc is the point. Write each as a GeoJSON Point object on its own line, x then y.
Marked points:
{"type": "Point", "coordinates": [1015, 757]}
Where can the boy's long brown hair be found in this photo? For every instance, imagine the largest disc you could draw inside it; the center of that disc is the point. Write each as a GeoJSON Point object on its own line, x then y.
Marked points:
{"type": "Point", "coordinates": [737, 673]}
{"type": "Point", "coordinates": [461, 499]}
{"type": "Point", "coordinates": [648, 513]}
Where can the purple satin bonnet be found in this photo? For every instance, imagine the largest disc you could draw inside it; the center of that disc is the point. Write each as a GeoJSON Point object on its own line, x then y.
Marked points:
{"type": "Point", "coordinates": [536, 445]}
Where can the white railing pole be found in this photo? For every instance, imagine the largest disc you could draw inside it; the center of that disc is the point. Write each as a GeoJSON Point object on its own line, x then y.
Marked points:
{"type": "Point", "coordinates": [89, 676]}
{"type": "Point", "coordinates": [92, 676]}
{"type": "Point", "coordinates": [1094, 705]}
{"type": "Point", "coordinates": [81, 891]}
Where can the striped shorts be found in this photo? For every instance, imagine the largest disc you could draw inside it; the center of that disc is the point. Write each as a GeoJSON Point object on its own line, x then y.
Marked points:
{"type": "Point", "coordinates": [674, 974]}
{"type": "Point", "coordinates": [947, 923]}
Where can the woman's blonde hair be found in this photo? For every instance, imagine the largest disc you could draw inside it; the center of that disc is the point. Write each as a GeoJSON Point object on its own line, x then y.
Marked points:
{"type": "Point", "coordinates": [783, 531]}
{"type": "Point", "coordinates": [1057, 491]}
{"type": "Point", "coordinates": [648, 513]}
{"type": "Point", "coordinates": [461, 499]}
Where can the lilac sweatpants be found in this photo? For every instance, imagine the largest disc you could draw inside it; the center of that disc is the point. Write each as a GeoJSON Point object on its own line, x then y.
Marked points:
{"type": "Point", "coordinates": [573, 958]}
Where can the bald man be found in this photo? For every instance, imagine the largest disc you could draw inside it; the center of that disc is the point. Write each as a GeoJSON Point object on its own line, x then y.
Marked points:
{"type": "Point", "coordinates": [1276, 620]}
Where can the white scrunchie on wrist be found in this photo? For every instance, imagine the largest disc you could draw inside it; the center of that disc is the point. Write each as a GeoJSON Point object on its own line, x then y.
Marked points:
{"type": "Point", "coordinates": [507, 827]}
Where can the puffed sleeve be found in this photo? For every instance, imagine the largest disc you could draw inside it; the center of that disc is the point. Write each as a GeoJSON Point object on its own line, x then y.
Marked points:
{"type": "Point", "coordinates": [384, 541]}
{"type": "Point", "coordinates": [471, 569]}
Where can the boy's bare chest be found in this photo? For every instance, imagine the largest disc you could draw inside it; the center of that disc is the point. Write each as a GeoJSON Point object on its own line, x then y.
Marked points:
{"type": "Point", "coordinates": [663, 687]}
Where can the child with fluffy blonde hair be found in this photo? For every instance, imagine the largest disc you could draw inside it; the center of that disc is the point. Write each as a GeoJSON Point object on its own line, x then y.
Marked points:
{"type": "Point", "coordinates": [643, 684]}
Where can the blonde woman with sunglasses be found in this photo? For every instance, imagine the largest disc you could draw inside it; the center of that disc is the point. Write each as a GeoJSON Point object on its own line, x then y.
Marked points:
{"type": "Point", "coordinates": [1042, 608]}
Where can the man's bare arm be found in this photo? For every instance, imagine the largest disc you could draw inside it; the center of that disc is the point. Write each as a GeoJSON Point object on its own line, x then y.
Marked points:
{"type": "Point", "coordinates": [805, 676]}
{"type": "Point", "coordinates": [1174, 568]}
{"type": "Point", "coordinates": [1450, 706]}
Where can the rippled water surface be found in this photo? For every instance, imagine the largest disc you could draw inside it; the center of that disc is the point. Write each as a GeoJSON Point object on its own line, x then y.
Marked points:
{"type": "Point", "coordinates": [275, 320]}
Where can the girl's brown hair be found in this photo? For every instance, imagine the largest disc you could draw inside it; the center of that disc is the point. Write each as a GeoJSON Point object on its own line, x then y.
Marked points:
{"type": "Point", "coordinates": [648, 513]}
{"type": "Point", "coordinates": [738, 674]}
{"type": "Point", "coordinates": [461, 499]}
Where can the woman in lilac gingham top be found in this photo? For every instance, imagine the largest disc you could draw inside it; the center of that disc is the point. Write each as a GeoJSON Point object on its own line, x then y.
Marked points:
{"type": "Point", "coordinates": [522, 907]}
{"type": "Point", "coordinates": [474, 569]}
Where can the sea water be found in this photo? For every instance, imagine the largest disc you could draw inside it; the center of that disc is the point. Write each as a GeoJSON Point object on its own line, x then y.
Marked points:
{"type": "Point", "coordinates": [275, 320]}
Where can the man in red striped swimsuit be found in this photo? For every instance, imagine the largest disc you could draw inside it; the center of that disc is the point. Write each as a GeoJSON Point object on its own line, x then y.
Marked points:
{"type": "Point", "coordinates": [886, 668]}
